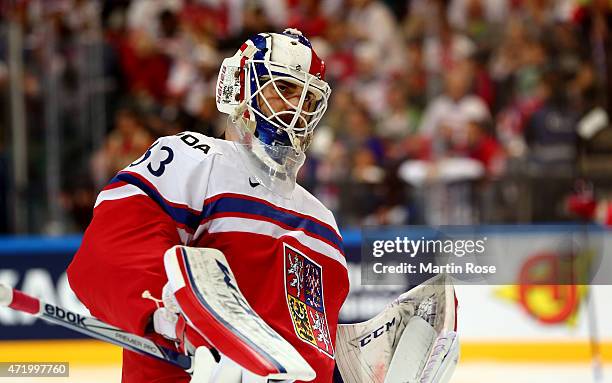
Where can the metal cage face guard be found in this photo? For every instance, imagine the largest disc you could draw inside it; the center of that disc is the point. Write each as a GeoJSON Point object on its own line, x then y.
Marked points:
{"type": "Point", "coordinates": [297, 128]}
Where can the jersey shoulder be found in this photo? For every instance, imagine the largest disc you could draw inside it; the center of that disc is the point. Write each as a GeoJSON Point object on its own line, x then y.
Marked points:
{"type": "Point", "coordinates": [196, 146]}
{"type": "Point", "coordinates": [176, 160]}
{"type": "Point", "coordinates": [174, 172]}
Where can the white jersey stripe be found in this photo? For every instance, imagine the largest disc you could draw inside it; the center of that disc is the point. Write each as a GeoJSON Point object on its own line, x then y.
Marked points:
{"type": "Point", "coordinates": [185, 236]}
{"type": "Point", "coordinates": [118, 193]}
{"type": "Point", "coordinates": [247, 225]}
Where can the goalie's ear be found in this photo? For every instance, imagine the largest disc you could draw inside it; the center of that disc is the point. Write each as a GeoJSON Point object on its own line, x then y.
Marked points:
{"type": "Point", "coordinates": [209, 298]}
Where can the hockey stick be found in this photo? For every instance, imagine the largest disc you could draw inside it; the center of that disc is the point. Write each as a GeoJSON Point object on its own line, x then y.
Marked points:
{"type": "Point", "coordinates": [90, 326]}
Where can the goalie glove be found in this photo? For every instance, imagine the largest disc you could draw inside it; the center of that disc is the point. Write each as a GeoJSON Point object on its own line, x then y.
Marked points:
{"type": "Point", "coordinates": [412, 341]}
{"type": "Point", "coordinates": [423, 356]}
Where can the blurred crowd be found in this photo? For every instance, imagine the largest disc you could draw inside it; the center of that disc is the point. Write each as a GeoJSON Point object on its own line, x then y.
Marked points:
{"type": "Point", "coordinates": [442, 111]}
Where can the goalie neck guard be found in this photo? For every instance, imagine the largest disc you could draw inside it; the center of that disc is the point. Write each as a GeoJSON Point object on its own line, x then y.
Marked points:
{"type": "Point", "coordinates": [274, 166]}
{"type": "Point", "coordinates": [283, 128]}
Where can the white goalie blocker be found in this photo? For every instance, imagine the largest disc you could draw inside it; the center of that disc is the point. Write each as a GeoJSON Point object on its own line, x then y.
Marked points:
{"type": "Point", "coordinates": [209, 298]}
{"type": "Point", "coordinates": [412, 341]}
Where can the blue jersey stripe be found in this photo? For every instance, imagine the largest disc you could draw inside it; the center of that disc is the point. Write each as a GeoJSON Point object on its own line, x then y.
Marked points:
{"type": "Point", "coordinates": [179, 214]}
{"type": "Point", "coordinates": [241, 205]}
{"type": "Point", "coordinates": [192, 219]}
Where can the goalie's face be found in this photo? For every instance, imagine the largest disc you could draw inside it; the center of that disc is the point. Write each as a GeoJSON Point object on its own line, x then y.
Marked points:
{"type": "Point", "coordinates": [281, 99]}
{"type": "Point", "coordinates": [286, 102]}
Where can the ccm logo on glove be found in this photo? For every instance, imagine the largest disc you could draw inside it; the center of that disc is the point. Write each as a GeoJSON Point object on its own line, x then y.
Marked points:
{"type": "Point", "coordinates": [376, 333]}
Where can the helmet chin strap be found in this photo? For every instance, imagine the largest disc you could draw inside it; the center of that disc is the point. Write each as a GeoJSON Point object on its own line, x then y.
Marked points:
{"type": "Point", "coordinates": [239, 111]}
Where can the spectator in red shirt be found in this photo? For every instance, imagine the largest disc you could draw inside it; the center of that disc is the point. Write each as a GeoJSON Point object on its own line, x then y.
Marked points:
{"type": "Point", "coordinates": [482, 146]}
{"type": "Point", "coordinates": [144, 68]}
{"type": "Point", "coordinates": [309, 18]}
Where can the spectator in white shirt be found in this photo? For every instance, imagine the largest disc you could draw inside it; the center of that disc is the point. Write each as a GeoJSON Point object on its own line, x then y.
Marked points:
{"type": "Point", "coordinates": [446, 117]}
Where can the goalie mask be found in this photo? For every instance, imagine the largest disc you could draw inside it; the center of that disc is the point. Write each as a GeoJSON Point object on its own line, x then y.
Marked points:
{"type": "Point", "coordinates": [274, 91]}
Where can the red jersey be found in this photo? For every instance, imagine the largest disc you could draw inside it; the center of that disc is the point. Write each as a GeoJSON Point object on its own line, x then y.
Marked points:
{"type": "Point", "coordinates": [189, 189]}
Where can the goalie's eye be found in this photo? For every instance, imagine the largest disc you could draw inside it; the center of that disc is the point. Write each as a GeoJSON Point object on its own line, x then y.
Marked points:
{"type": "Point", "coordinates": [290, 90]}
{"type": "Point", "coordinates": [310, 97]}
{"type": "Point", "coordinates": [286, 89]}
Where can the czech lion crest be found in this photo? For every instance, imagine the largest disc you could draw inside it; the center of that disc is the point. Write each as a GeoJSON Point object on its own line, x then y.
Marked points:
{"type": "Point", "coordinates": [304, 288]}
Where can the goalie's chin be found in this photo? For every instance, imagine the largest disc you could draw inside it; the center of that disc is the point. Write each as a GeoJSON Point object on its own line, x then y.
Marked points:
{"type": "Point", "coordinates": [274, 166]}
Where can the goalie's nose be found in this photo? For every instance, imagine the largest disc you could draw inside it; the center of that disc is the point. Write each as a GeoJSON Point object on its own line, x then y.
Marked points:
{"type": "Point", "coordinates": [286, 117]}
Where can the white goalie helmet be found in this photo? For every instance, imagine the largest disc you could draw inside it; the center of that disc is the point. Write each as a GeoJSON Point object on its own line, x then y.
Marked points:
{"type": "Point", "coordinates": [249, 87]}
